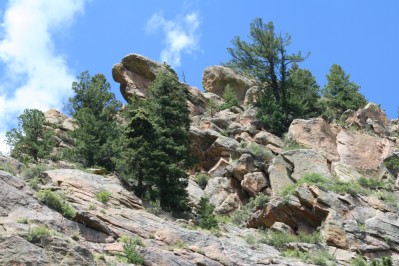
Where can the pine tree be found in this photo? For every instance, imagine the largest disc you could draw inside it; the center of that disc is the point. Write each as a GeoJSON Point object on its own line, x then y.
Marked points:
{"type": "Point", "coordinates": [170, 114]}
{"type": "Point", "coordinates": [266, 59]}
{"type": "Point", "coordinates": [341, 94]}
{"type": "Point", "coordinates": [94, 107]}
{"type": "Point", "coordinates": [31, 138]}
{"type": "Point", "coordinates": [230, 98]}
{"type": "Point", "coordinates": [134, 158]}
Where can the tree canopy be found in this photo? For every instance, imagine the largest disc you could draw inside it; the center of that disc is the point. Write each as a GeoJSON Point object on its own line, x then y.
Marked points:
{"type": "Point", "coordinates": [94, 107]}
{"type": "Point", "coordinates": [341, 94]}
{"type": "Point", "coordinates": [266, 59]}
{"type": "Point", "coordinates": [31, 138]}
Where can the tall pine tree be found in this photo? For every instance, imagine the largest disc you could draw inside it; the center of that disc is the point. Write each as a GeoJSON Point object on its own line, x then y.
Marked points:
{"type": "Point", "coordinates": [170, 114]}
{"type": "Point", "coordinates": [94, 107]}
{"type": "Point", "coordinates": [341, 94]}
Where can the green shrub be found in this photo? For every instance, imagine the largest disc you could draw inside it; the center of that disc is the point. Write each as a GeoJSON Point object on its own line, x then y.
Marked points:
{"type": "Point", "coordinates": [103, 196]}
{"type": "Point", "coordinates": [279, 240]}
{"type": "Point", "coordinates": [8, 167]}
{"type": "Point", "coordinates": [56, 202]}
{"type": "Point", "coordinates": [34, 183]}
{"type": "Point", "coordinates": [230, 98]}
{"type": "Point", "coordinates": [130, 250]}
{"type": "Point", "coordinates": [241, 216]}
{"type": "Point", "coordinates": [202, 179]}
{"type": "Point", "coordinates": [260, 152]}
{"type": "Point", "coordinates": [207, 219]}
{"type": "Point", "coordinates": [37, 233]}
{"type": "Point", "coordinates": [371, 183]}
{"type": "Point", "coordinates": [392, 164]}
{"type": "Point", "coordinates": [23, 221]}
{"type": "Point", "coordinates": [35, 171]}
{"type": "Point", "coordinates": [320, 257]}
{"type": "Point", "coordinates": [180, 244]}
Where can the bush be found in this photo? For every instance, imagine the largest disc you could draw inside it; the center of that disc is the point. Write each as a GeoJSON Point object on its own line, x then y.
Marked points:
{"type": "Point", "coordinates": [37, 233]}
{"type": "Point", "coordinates": [371, 183]}
{"type": "Point", "coordinates": [321, 257]}
{"type": "Point", "coordinates": [202, 179]}
{"type": "Point", "coordinates": [207, 219]}
{"type": "Point", "coordinates": [260, 152]}
{"type": "Point", "coordinates": [130, 250]}
{"type": "Point", "coordinates": [230, 98]}
{"type": "Point", "coordinates": [241, 216]}
{"type": "Point", "coordinates": [279, 240]}
{"type": "Point", "coordinates": [33, 172]}
{"type": "Point", "coordinates": [56, 202]}
{"type": "Point", "coordinates": [8, 167]}
{"type": "Point", "coordinates": [392, 164]}
{"type": "Point", "coordinates": [103, 196]}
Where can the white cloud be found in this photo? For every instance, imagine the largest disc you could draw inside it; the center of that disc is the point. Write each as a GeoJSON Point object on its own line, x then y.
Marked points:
{"type": "Point", "coordinates": [181, 35]}
{"type": "Point", "coordinates": [35, 75]}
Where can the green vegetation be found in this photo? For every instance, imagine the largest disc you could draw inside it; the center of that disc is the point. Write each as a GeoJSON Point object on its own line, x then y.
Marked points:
{"type": "Point", "coordinates": [213, 107]}
{"type": "Point", "coordinates": [340, 94]}
{"type": "Point", "coordinates": [279, 240]}
{"type": "Point", "coordinates": [207, 219]}
{"type": "Point", "coordinates": [241, 216]}
{"type": "Point", "coordinates": [33, 175]}
{"type": "Point", "coordinates": [180, 244]}
{"type": "Point", "coordinates": [229, 98]}
{"type": "Point", "coordinates": [103, 196]}
{"type": "Point", "coordinates": [286, 93]}
{"type": "Point", "coordinates": [392, 164]}
{"type": "Point", "coordinates": [31, 139]}
{"type": "Point", "coordinates": [158, 151]}
{"type": "Point", "coordinates": [55, 201]}
{"type": "Point", "coordinates": [94, 107]}
{"type": "Point", "coordinates": [130, 250]}
{"type": "Point", "coordinates": [321, 257]}
{"type": "Point", "coordinates": [23, 221]}
{"type": "Point", "coordinates": [202, 179]}
{"type": "Point", "coordinates": [260, 152]}
{"type": "Point", "coordinates": [363, 186]}
{"type": "Point", "coordinates": [9, 168]}
{"type": "Point", "coordinates": [37, 233]}
{"type": "Point", "coordinates": [360, 261]}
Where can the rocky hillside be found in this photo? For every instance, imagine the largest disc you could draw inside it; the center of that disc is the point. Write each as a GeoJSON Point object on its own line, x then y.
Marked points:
{"type": "Point", "coordinates": [326, 194]}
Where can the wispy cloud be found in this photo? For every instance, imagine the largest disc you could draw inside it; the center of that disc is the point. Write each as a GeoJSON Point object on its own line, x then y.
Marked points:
{"type": "Point", "coordinates": [35, 75]}
{"type": "Point", "coordinates": [181, 35]}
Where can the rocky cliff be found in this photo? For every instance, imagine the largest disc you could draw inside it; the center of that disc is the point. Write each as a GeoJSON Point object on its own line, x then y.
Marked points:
{"type": "Point", "coordinates": [335, 181]}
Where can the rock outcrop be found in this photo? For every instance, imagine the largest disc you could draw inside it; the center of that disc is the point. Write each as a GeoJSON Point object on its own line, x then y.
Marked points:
{"type": "Point", "coordinates": [215, 79]}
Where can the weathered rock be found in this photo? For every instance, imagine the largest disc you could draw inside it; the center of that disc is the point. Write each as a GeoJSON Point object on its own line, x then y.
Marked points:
{"type": "Point", "coordinates": [344, 172]}
{"type": "Point", "coordinates": [371, 117]}
{"type": "Point", "coordinates": [334, 234]}
{"type": "Point", "coordinates": [282, 228]}
{"type": "Point", "coordinates": [195, 193]}
{"type": "Point", "coordinates": [266, 138]}
{"type": "Point", "coordinates": [219, 169]}
{"type": "Point", "coordinates": [11, 165]}
{"type": "Point", "coordinates": [244, 165]}
{"type": "Point", "coordinates": [216, 78]}
{"type": "Point", "coordinates": [252, 96]}
{"type": "Point", "coordinates": [201, 141]}
{"type": "Point", "coordinates": [317, 134]}
{"type": "Point", "coordinates": [82, 188]}
{"type": "Point", "coordinates": [134, 74]}
{"type": "Point", "coordinates": [254, 182]}
{"type": "Point", "coordinates": [385, 226]}
{"type": "Point", "coordinates": [363, 151]}
{"type": "Point", "coordinates": [290, 166]}
{"type": "Point", "coordinates": [223, 147]}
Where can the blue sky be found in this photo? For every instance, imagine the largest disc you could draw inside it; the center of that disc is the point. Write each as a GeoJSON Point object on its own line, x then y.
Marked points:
{"type": "Point", "coordinates": [45, 44]}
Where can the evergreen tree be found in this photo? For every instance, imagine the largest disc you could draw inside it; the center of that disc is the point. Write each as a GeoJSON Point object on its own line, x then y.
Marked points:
{"type": "Point", "coordinates": [94, 107]}
{"type": "Point", "coordinates": [31, 138]}
{"type": "Point", "coordinates": [266, 59]}
{"type": "Point", "coordinates": [230, 98]}
{"type": "Point", "coordinates": [341, 94]}
{"type": "Point", "coordinates": [170, 114]}
{"type": "Point", "coordinates": [134, 158]}
{"type": "Point", "coordinates": [207, 219]}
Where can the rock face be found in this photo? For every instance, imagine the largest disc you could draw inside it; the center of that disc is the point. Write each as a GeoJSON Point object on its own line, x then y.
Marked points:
{"type": "Point", "coordinates": [216, 78]}
{"type": "Point", "coordinates": [101, 225]}
{"type": "Point", "coordinates": [290, 166]}
{"type": "Point", "coordinates": [371, 117]}
{"type": "Point", "coordinates": [62, 125]}
{"type": "Point", "coordinates": [135, 73]}
{"type": "Point", "coordinates": [359, 150]}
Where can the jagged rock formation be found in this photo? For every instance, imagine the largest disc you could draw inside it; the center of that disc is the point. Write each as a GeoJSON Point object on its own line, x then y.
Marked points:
{"type": "Point", "coordinates": [243, 161]}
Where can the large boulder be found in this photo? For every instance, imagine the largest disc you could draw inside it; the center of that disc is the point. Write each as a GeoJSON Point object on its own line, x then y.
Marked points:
{"type": "Point", "coordinates": [290, 166]}
{"type": "Point", "coordinates": [135, 73]}
{"type": "Point", "coordinates": [363, 151]}
{"type": "Point", "coordinates": [254, 183]}
{"type": "Point", "coordinates": [216, 78]}
{"type": "Point", "coordinates": [371, 117]}
{"type": "Point", "coordinates": [317, 134]}
{"type": "Point", "coordinates": [222, 194]}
